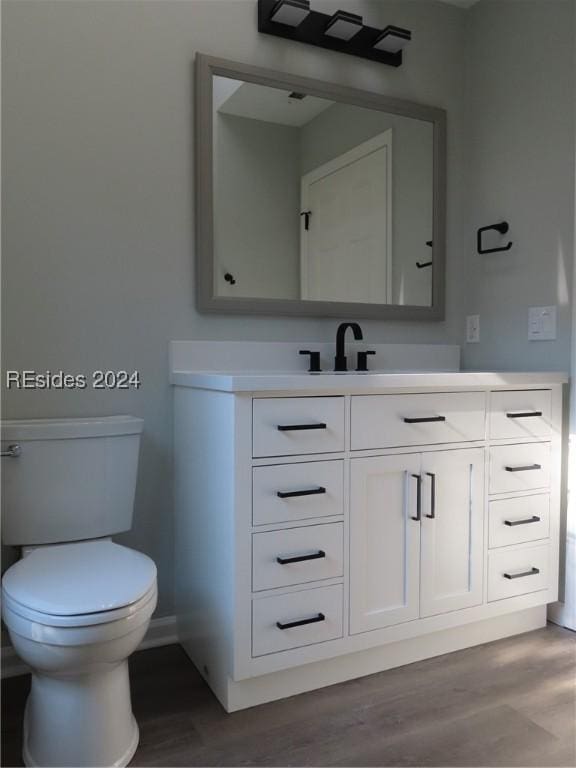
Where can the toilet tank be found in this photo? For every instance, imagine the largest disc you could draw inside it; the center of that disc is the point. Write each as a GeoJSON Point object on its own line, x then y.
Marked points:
{"type": "Point", "coordinates": [72, 479]}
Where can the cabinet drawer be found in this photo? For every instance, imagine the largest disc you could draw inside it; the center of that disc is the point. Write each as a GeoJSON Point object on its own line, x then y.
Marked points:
{"type": "Point", "coordinates": [517, 572]}
{"type": "Point", "coordinates": [297, 555]}
{"type": "Point", "coordinates": [514, 521]}
{"type": "Point", "coordinates": [285, 426]}
{"type": "Point", "coordinates": [520, 414]}
{"type": "Point", "coordinates": [381, 421]}
{"type": "Point", "coordinates": [519, 467]}
{"type": "Point", "coordinates": [315, 615]}
{"type": "Point", "coordinates": [287, 492]}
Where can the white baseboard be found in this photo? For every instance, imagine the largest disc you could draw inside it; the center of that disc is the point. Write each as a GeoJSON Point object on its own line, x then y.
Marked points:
{"type": "Point", "coordinates": [162, 631]}
{"type": "Point", "coordinates": [559, 613]}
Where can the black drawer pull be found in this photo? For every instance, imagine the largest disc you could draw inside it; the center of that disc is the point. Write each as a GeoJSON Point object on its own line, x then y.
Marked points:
{"type": "Point", "coordinates": [531, 572]}
{"type": "Point", "coordinates": [301, 622]}
{"type": "Point", "coordinates": [423, 419]}
{"type": "Point", "coordinates": [307, 492]}
{"type": "Point", "coordinates": [418, 517]}
{"type": "Point", "coordinates": [527, 468]}
{"type": "Point", "coordinates": [300, 427]}
{"type": "Point", "coordinates": [432, 477]}
{"type": "Point", "coordinates": [301, 558]}
{"type": "Point", "coordinates": [533, 519]}
{"type": "Point", "coordinates": [524, 415]}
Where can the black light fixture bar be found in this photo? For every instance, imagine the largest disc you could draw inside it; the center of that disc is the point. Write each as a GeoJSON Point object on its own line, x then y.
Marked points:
{"type": "Point", "coordinates": [314, 29]}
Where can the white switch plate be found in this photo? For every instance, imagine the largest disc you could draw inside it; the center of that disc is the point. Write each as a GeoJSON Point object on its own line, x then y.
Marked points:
{"type": "Point", "coordinates": [542, 323]}
{"type": "Point", "coordinates": [473, 329]}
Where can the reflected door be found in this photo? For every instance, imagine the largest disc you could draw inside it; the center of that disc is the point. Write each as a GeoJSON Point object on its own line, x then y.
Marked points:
{"type": "Point", "coordinates": [346, 226]}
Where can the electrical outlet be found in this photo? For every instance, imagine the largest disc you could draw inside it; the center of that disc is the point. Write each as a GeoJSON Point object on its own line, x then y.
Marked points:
{"type": "Point", "coordinates": [473, 329]}
{"type": "Point", "coordinates": [542, 323]}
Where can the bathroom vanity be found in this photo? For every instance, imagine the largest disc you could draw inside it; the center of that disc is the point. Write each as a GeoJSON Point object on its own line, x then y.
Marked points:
{"type": "Point", "coordinates": [333, 525]}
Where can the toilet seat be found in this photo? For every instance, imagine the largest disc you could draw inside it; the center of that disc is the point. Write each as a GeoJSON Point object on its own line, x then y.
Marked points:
{"type": "Point", "coordinates": [79, 580]}
{"type": "Point", "coordinates": [81, 619]}
{"type": "Point", "coordinates": [82, 630]}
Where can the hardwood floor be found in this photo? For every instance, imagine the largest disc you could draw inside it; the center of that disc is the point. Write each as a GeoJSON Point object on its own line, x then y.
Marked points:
{"type": "Point", "coordinates": [508, 703]}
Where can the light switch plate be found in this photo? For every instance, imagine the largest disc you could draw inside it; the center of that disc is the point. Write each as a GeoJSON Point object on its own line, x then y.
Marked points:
{"type": "Point", "coordinates": [473, 329]}
{"type": "Point", "coordinates": [542, 323]}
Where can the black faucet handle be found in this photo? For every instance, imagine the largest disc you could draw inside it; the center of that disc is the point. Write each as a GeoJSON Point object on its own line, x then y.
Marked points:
{"type": "Point", "coordinates": [362, 364]}
{"type": "Point", "coordinates": [314, 360]}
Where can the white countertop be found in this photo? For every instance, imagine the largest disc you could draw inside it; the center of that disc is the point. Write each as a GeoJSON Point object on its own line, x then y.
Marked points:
{"type": "Point", "coordinates": [359, 383]}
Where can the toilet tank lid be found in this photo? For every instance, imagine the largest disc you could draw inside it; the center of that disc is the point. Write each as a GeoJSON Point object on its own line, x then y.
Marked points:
{"type": "Point", "coordinates": [59, 429]}
{"type": "Point", "coordinates": [80, 578]}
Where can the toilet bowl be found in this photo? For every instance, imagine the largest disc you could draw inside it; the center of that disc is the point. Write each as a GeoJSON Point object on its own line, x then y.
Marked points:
{"type": "Point", "coordinates": [77, 604]}
{"type": "Point", "coordinates": [79, 711]}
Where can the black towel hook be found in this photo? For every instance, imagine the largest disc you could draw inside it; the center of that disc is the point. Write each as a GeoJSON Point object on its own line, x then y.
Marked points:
{"type": "Point", "coordinates": [503, 227]}
{"type": "Point", "coordinates": [421, 264]}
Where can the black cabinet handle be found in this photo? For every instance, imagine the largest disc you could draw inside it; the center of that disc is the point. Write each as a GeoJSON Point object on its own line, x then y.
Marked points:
{"type": "Point", "coordinates": [423, 419]}
{"type": "Point", "coordinates": [531, 572]}
{"type": "Point", "coordinates": [512, 523]}
{"type": "Point", "coordinates": [524, 415]}
{"type": "Point", "coordinates": [527, 468]}
{"type": "Point", "coordinates": [432, 477]}
{"type": "Point", "coordinates": [301, 558]}
{"type": "Point", "coordinates": [418, 517]}
{"type": "Point", "coordinates": [301, 622]}
{"type": "Point", "coordinates": [307, 492]}
{"type": "Point", "coordinates": [300, 427]}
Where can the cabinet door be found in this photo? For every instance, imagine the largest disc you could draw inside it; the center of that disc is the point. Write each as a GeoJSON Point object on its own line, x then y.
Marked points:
{"type": "Point", "coordinates": [384, 541]}
{"type": "Point", "coordinates": [452, 530]}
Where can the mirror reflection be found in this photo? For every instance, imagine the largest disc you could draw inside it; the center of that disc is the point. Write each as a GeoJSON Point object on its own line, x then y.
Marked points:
{"type": "Point", "coordinates": [319, 200]}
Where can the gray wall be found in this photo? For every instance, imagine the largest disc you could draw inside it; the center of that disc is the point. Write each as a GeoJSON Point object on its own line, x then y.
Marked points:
{"type": "Point", "coordinates": [520, 168]}
{"type": "Point", "coordinates": [98, 198]}
{"type": "Point", "coordinates": [256, 208]}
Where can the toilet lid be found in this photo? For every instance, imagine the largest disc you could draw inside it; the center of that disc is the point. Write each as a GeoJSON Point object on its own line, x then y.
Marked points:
{"type": "Point", "coordinates": [78, 579]}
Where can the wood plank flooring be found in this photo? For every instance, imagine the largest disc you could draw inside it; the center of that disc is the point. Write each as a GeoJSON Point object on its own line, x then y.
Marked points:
{"type": "Point", "coordinates": [508, 703]}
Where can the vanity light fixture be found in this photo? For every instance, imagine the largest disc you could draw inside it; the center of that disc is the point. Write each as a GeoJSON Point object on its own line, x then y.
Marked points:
{"type": "Point", "coordinates": [341, 31]}
{"type": "Point", "coordinates": [343, 25]}
{"type": "Point", "coordinates": [290, 12]}
{"type": "Point", "coordinates": [393, 39]}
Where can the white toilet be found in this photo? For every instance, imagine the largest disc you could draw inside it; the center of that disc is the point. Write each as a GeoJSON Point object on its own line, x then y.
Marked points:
{"type": "Point", "coordinates": [76, 605]}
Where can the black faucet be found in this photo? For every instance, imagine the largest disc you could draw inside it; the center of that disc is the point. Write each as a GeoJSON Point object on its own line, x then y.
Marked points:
{"type": "Point", "coordinates": [340, 359]}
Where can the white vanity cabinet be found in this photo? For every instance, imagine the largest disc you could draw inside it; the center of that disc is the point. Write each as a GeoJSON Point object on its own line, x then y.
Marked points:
{"type": "Point", "coordinates": [330, 531]}
{"type": "Point", "coordinates": [416, 536]}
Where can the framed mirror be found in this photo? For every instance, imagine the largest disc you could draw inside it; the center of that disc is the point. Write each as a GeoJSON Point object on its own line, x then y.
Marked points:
{"type": "Point", "coordinates": [314, 199]}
